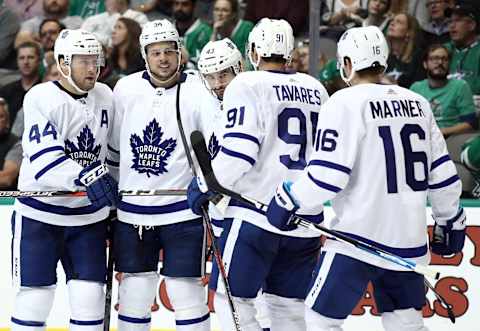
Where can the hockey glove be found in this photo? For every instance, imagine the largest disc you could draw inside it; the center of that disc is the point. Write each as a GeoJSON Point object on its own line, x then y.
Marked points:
{"type": "Point", "coordinates": [449, 239]}
{"type": "Point", "coordinates": [102, 189]}
{"type": "Point", "coordinates": [196, 197]}
{"type": "Point", "coordinates": [281, 209]}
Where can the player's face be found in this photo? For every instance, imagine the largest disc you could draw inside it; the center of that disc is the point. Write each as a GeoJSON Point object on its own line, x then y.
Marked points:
{"type": "Point", "coordinates": [163, 59]}
{"type": "Point", "coordinates": [119, 34]}
{"type": "Point", "coordinates": [222, 11]}
{"type": "Point", "coordinates": [219, 81]}
{"type": "Point", "coordinates": [28, 61]}
{"type": "Point", "coordinates": [437, 64]}
{"type": "Point", "coordinates": [84, 71]}
{"type": "Point", "coordinates": [398, 27]}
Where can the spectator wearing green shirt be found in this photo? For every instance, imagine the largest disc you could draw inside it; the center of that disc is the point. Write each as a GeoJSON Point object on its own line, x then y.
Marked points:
{"type": "Point", "coordinates": [194, 32]}
{"type": "Point", "coordinates": [227, 24]}
{"type": "Point", "coordinates": [450, 99]}
{"type": "Point", "coordinates": [464, 45]}
{"type": "Point", "coordinates": [86, 8]}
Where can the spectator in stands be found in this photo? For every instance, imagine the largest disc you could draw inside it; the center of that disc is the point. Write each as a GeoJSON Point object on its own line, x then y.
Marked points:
{"type": "Point", "coordinates": [436, 30]}
{"type": "Point", "coordinates": [51, 74]}
{"type": "Point", "coordinates": [48, 32]}
{"type": "Point", "coordinates": [10, 151]}
{"type": "Point", "coordinates": [10, 25]}
{"type": "Point", "coordinates": [101, 25]}
{"type": "Point", "coordinates": [25, 9]}
{"type": "Point", "coordinates": [195, 33]}
{"type": "Point", "coordinates": [28, 61]}
{"type": "Point", "coordinates": [86, 8]}
{"type": "Point", "coordinates": [56, 9]}
{"type": "Point", "coordinates": [125, 57]}
{"type": "Point", "coordinates": [154, 9]}
{"type": "Point", "coordinates": [301, 57]}
{"type": "Point", "coordinates": [404, 60]}
{"type": "Point", "coordinates": [330, 77]}
{"type": "Point", "coordinates": [378, 14]}
{"type": "Point", "coordinates": [346, 13]}
{"type": "Point", "coordinates": [464, 45]}
{"type": "Point", "coordinates": [294, 12]}
{"type": "Point", "coordinates": [227, 24]}
{"type": "Point", "coordinates": [451, 100]}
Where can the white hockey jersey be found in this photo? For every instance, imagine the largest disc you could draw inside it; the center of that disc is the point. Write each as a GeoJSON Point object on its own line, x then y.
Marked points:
{"type": "Point", "coordinates": [151, 152]}
{"type": "Point", "coordinates": [269, 121]}
{"type": "Point", "coordinates": [381, 155]}
{"type": "Point", "coordinates": [63, 134]}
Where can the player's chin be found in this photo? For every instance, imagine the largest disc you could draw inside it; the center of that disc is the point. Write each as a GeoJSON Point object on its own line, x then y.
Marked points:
{"type": "Point", "coordinates": [88, 83]}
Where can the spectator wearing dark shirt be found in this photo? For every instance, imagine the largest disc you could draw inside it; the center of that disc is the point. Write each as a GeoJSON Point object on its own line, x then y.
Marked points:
{"type": "Point", "coordinates": [404, 60]}
{"type": "Point", "coordinates": [436, 30]}
{"type": "Point", "coordinates": [125, 57]}
{"type": "Point", "coordinates": [10, 151]}
{"type": "Point", "coordinates": [28, 61]}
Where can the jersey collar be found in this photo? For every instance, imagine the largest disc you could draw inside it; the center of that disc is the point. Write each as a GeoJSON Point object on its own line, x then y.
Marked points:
{"type": "Point", "coordinates": [73, 95]}
{"type": "Point", "coordinates": [146, 76]}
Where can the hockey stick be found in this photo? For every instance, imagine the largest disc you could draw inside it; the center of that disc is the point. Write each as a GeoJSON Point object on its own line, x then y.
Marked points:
{"type": "Point", "coordinates": [49, 194]}
{"type": "Point", "coordinates": [200, 150]}
{"type": "Point", "coordinates": [110, 263]}
{"type": "Point", "coordinates": [206, 219]}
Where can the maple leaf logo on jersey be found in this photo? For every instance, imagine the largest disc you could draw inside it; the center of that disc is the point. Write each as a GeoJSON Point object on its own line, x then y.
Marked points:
{"type": "Point", "coordinates": [85, 152]}
{"type": "Point", "coordinates": [150, 154]}
{"type": "Point", "coordinates": [213, 146]}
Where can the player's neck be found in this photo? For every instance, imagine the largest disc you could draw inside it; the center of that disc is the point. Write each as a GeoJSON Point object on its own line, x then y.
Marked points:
{"type": "Point", "coordinates": [67, 86]}
{"type": "Point", "coordinates": [366, 79]}
{"type": "Point", "coordinates": [271, 66]}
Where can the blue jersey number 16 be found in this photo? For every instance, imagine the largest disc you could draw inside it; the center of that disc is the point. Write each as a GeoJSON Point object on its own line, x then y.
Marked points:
{"type": "Point", "coordinates": [410, 157]}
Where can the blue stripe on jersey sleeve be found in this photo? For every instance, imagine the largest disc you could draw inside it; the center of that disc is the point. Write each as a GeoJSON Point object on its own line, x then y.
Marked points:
{"type": "Point", "coordinates": [406, 253]}
{"type": "Point", "coordinates": [331, 165]}
{"type": "Point", "coordinates": [46, 150]}
{"type": "Point", "coordinates": [152, 210]}
{"type": "Point", "coordinates": [50, 166]}
{"type": "Point", "coordinates": [193, 320]}
{"type": "Point", "coordinates": [446, 182]}
{"type": "Point", "coordinates": [242, 136]}
{"type": "Point", "coordinates": [110, 148]}
{"type": "Point", "coordinates": [439, 161]}
{"type": "Point", "coordinates": [112, 163]}
{"type": "Point", "coordinates": [324, 185]}
{"type": "Point", "coordinates": [60, 210]}
{"type": "Point", "coordinates": [238, 155]}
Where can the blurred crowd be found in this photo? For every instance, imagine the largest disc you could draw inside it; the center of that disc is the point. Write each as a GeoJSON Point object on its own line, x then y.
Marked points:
{"type": "Point", "coordinates": [434, 49]}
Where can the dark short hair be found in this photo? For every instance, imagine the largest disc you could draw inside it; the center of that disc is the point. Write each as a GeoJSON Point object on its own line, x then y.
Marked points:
{"type": "Point", "coordinates": [30, 44]}
{"type": "Point", "coordinates": [61, 26]}
{"type": "Point", "coordinates": [432, 48]}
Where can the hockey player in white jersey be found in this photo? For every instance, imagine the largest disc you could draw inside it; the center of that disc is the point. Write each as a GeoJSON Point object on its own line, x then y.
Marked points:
{"type": "Point", "coordinates": [67, 125]}
{"type": "Point", "coordinates": [269, 117]}
{"type": "Point", "coordinates": [152, 156]}
{"type": "Point", "coordinates": [381, 156]}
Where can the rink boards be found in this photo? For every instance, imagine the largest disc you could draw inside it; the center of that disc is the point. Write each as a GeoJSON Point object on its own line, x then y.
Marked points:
{"type": "Point", "coordinates": [459, 284]}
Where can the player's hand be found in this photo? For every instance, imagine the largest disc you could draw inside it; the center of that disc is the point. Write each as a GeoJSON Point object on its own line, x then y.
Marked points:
{"type": "Point", "coordinates": [196, 197]}
{"type": "Point", "coordinates": [102, 189]}
{"type": "Point", "coordinates": [281, 209]}
{"type": "Point", "coordinates": [449, 239]}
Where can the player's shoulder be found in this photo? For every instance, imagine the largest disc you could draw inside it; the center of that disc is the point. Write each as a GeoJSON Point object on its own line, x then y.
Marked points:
{"type": "Point", "coordinates": [131, 80]}
{"type": "Point", "coordinates": [102, 90]}
{"type": "Point", "coordinates": [44, 89]}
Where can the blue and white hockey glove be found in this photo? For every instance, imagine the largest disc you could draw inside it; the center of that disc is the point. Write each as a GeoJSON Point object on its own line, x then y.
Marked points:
{"type": "Point", "coordinates": [102, 189]}
{"type": "Point", "coordinates": [197, 195]}
{"type": "Point", "coordinates": [449, 239]}
{"type": "Point", "coordinates": [281, 209]}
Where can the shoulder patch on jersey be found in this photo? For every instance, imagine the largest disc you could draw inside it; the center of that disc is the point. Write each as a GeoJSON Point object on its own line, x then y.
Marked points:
{"type": "Point", "coordinates": [150, 155]}
{"type": "Point", "coordinates": [85, 152]}
{"type": "Point", "coordinates": [213, 146]}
